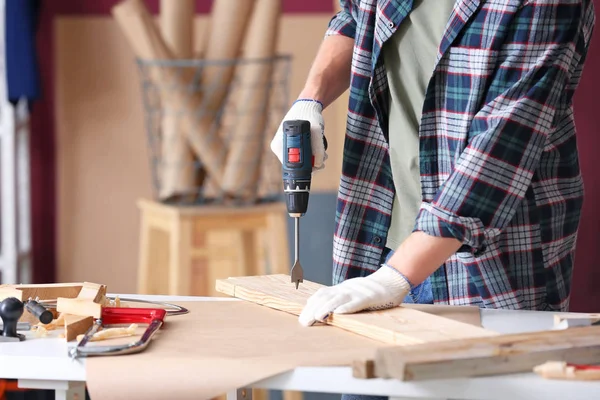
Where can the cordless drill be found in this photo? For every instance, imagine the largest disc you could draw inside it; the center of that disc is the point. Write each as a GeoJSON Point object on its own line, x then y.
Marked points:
{"type": "Point", "coordinates": [297, 173]}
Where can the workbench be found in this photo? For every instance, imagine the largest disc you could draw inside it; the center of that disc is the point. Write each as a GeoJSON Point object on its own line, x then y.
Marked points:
{"type": "Point", "coordinates": [45, 364]}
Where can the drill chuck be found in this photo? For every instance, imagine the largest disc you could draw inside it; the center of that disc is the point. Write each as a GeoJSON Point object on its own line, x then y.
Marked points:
{"type": "Point", "coordinates": [297, 165]}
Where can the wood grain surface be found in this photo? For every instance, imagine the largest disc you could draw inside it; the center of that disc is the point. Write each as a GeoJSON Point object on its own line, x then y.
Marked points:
{"type": "Point", "coordinates": [502, 354]}
{"type": "Point", "coordinates": [398, 326]}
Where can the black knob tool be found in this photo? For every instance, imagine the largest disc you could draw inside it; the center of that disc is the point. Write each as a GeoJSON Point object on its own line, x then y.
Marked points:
{"type": "Point", "coordinates": [11, 310]}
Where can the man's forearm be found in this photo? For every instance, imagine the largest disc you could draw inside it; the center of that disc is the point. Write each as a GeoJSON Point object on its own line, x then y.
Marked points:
{"type": "Point", "coordinates": [329, 75]}
{"type": "Point", "coordinates": [420, 255]}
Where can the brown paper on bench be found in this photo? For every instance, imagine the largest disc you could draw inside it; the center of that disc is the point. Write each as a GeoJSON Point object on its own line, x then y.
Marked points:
{"type": "Point", "coordinates": [145, 39]}
{"type": "Point", "coordinates": [223, 345]}
{"type": "Point", "coordinates": [246, 146]}
{"type": "Point", "coordinates": [218, 347]}
{"type": "Point", "coordinates": [177, 159]}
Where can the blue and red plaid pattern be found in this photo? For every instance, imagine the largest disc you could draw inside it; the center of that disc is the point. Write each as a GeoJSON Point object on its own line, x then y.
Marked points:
{"type": "Point", "coordinates": [498, 152]}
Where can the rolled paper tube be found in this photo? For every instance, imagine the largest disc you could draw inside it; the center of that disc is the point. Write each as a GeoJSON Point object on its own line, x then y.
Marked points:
{"type": "Point", "coordinates": [146, 41]}
{"type": "Point", "coordinates": [246, 147]}
{"type": "Point", "coordinates": [177, 159]}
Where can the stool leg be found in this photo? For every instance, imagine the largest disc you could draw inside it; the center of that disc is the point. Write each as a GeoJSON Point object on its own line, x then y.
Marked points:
{"type": "Point", "coordinates": [144, 258]}
{"type": "Point", "coordinates": [154, 257]}
{"type": "Point", "coordinates": [249, 254]}
{"type": "Point", "coordinates": [180, 260]}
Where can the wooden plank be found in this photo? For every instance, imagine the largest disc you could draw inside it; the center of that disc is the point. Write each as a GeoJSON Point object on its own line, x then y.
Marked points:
{"type": "Point", "coordinates": [76, 325]}
{"type": "Point", "coordinates": [81, 307]}
{"type": "Point", "coordinates": [399, 326]}
{"type": "Point", "coordinates": [591, 318]}
{"type": "Point", "coordinates": [502, 354]}
{"type": "Point", "coordinates": [49, 291]}
{"type": "Point", "coordinates": [564, 371]}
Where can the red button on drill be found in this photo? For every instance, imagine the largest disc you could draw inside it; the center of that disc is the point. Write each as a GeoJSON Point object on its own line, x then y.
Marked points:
{"type": "Point", "coordinates": [294, 155]}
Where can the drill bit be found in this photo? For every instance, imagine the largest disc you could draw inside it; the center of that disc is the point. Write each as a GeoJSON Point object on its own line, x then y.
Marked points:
{"type": "Point", "coordinates": [297, 272]}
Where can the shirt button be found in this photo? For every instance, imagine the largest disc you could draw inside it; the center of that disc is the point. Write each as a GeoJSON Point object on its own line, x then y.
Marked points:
{"type": "Point", "coordinates": [377, 239]}
{"type": "Point", "coordinates": [390, 24]}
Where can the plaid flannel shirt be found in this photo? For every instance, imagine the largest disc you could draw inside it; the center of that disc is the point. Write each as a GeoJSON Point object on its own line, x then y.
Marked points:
{"type": "Point", "coordinates": [498, 154]}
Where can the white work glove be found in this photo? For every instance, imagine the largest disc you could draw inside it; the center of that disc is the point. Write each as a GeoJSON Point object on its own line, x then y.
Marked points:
{"type": "Point", "coordinates": [384, 288]}
{"type": "Point", "coordinates": [309, 110]}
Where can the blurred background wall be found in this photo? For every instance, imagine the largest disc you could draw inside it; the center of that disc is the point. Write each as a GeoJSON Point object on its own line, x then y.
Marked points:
{"type": "Point", "coordinates": [89, 156]}
{"type": "Point", "coordinates": [91, 163]}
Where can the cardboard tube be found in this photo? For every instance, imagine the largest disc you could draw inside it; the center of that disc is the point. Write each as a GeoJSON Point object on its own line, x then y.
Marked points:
{"type": "Point", "coordinates": [242, 171]}
{"type": "Point", "coordinates": [146, 41]}
{"type": "Point", "coordinates": [227, 28]}
{"type": "Point", "coordinates": [177, 159]}
{"type": "Point", "coordinates": [177, 26]}
{"type": "Point", "coordinates": [226, 31]}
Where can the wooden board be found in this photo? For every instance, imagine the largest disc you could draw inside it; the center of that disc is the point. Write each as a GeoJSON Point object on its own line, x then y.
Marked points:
{"type": "Point", "coordinates": [76, 325]}
{"type": "Point", "coordinates": [43, 291]}
{"type": "Point", "coordinates": [399, 326]}
{"type": "Point", "coordinates": [502, 354]}
{"type": "Point", "coordinates": [591, 318]}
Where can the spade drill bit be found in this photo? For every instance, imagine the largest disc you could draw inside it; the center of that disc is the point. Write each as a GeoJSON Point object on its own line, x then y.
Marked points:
{"type": "Point", "coordinates": [297, 272]}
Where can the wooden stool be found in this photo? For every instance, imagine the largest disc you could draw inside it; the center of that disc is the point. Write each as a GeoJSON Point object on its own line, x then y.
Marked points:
{"type": "Point", "coordinates": [184, 249]}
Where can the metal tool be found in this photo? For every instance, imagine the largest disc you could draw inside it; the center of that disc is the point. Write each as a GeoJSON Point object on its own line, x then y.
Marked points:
{"type": "Point", "coordinates": [40, 312]}
{"type": "Point", "coordinates": [297, 175]}
{"type": "Point", "coordinates": [12, 309]}
{"type": "Point", "coordinates": [115, 316]}
{"type": "Point", "coordinates": [174, 308]}
{"type": "Point", "coordinates": [21, 326]}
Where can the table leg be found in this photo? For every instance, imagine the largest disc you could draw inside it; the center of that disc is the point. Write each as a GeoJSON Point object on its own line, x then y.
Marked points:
{"type": "Point", "coordinates": [74, 393]}
{"type": "Point", "coordinates": [240, 394]}
{"type": "Point", "coordinates": [64, 390]}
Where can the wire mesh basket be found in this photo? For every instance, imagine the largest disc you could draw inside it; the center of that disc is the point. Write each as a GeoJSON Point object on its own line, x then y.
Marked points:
{"type": "Point", "coordinates": [209, 125]}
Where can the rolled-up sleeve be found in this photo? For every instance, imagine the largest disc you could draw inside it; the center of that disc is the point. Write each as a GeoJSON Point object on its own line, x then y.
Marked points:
{"type": "Point", "coordinates": [508, 136]}
{"type": "Point", "coordinates": [343, 22]}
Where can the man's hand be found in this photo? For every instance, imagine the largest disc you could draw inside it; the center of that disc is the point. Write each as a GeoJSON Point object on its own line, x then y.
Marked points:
{"type": "Point", "coordinates": [385, 288]}
{"type": "Point", "coordinates": [311, 111]}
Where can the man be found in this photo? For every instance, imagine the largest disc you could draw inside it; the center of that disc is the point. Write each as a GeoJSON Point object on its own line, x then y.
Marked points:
{"type": "Point", "coordinates": [460, 180]}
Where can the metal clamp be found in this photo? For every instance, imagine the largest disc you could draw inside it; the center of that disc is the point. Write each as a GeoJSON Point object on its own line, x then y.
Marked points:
{"type": "Point", "coordinates": [81, 350]}
{"type": "Point", "coordinates": [154, 317]}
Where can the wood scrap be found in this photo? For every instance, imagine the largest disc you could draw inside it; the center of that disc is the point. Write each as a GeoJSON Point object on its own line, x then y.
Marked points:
{"type": "Point", "coordinates": [48, 291]}
{"type": "Point", "coordinates": [111, 333]}
{"type": "Point", "coordinates": [399, 326]}
{"type": "Point", "coordinates": [502, 354]}
{"type": "Point", "coordinates": [76, 325]}
{"type": "Point", "coordinates": [565, 371]}
{"type": "Point", "coordinates": [81, 307]}
{"type": "Point", "coordinates": [147, 43]}
{"type": "Point", "coordinates": [92, 291]}
{"type": "Point", "coordinates": [591, 318]}
{"type": "Point", "coordinates": [246, 146]}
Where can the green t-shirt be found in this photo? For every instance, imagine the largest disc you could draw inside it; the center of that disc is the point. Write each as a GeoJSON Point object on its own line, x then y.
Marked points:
{"type": "Point", "coordinates": [409, 57]}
